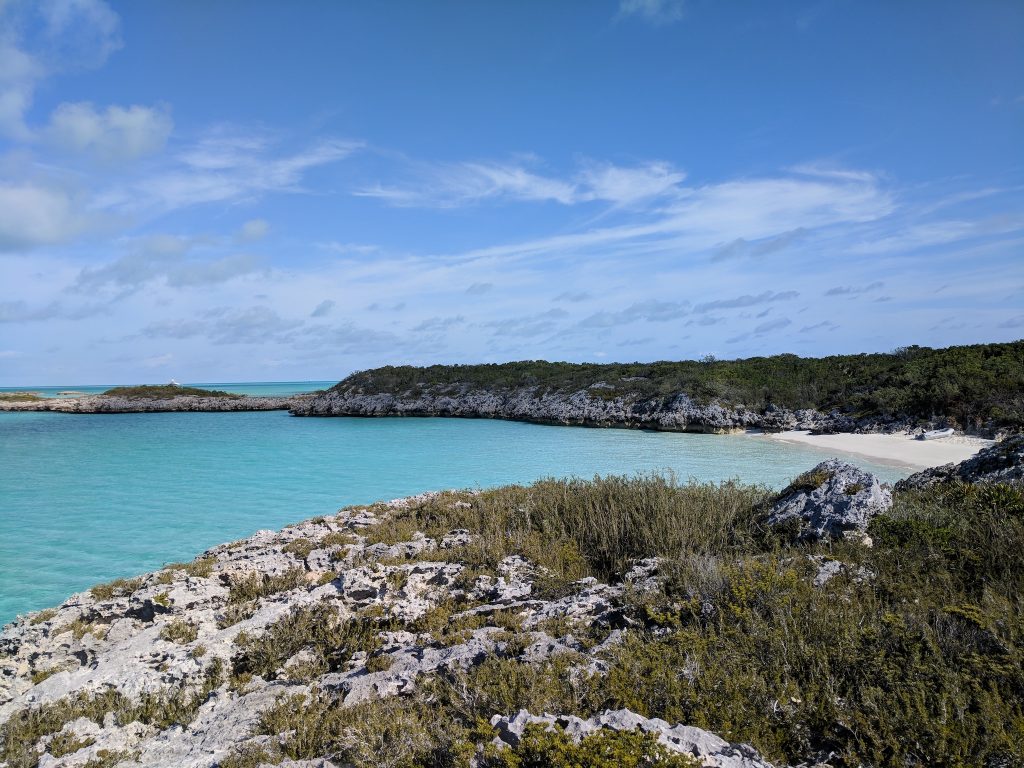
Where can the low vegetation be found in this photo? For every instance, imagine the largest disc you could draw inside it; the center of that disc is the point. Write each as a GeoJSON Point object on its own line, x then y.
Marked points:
{"type": "Point", "coordinates": [25, 728]}
{"type": "Point", "coordinates": [180, 631]}
{"type": "Point", "coordinates": [328, 640]}
{"type": "Point", "coordinates": [166, 392]}
{"type": "Point", "coordinates": [913, 655]}
{"type": "Point", "coordinates": [253, 586]}
{"type": "Point", "coordinates": [19, 397]}
{"type": "Point", "coordinates": [910, 655]}
{"type": "Point", "coordinates": [968, 385]}
{"type": "Point", "coordinates": [116, 588]}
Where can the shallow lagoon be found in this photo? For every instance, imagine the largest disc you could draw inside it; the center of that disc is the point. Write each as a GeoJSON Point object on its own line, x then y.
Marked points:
{"type": "Point", "coordinates": [88, 498]}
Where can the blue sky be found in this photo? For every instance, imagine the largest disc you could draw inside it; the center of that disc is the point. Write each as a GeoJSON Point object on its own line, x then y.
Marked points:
{"type": "Point", "coordinates": [279, 191]}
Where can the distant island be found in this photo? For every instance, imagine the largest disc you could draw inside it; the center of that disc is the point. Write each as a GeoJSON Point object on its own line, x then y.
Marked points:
{"type": "Point", "coordinates": [148, 398]}
{"type": "Point", "coordinates": [978, 389]}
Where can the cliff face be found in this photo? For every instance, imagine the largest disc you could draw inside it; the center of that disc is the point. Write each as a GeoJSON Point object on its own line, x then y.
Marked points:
{"type": "Point", "coordinates": [582, 408]}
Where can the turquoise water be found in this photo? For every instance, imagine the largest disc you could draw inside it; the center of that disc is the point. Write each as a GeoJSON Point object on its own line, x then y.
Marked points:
{"type": "Point", "coordinates": [278, 388]}
{"type": "Point", "coordinates": [88, 498]}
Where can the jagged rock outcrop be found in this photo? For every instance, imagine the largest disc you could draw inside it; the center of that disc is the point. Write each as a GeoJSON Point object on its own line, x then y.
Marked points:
{"type": "Point", "coordinates": [999, 463]}
{"type": "Point", "coordinates": [833, 500]}
{"type": "Point", "coordinates": [112, 404]}
{"type": "Point", "coordinates": [707, 748]}
{"type": "Point", "coordinates": [171, 670]}
{"type": "Point", "coordinates": [583, 408]}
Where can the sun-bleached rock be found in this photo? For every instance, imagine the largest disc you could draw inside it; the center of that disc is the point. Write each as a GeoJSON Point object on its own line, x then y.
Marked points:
{"type": "Point", "coordinates": [833, 500]}
{"type": "Point", "coordinates": [710, 750]}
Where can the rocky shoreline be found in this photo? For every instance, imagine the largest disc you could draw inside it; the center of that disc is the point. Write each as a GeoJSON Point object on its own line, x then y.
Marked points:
{"type": "Point", "coordinates": [217, 662]}
{"type": "Point", "coordinates": [114, 404]}
{"type": "Point", "coordinates": [168, 638]}
{"type": "Point", "coordinates": [587, 408]}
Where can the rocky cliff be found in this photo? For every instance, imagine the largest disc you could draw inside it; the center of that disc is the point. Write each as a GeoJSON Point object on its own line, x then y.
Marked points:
{"type": "Point", "coordinates": [581, 408]}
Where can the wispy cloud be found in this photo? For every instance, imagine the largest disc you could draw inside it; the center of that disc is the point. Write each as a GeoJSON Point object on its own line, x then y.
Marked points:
{"type": "Point", "coordinates": [650, 311]}
{"type": "Point", "coordinates": [459, 184]}
{"type": "Point", "coordinates": [656, 12]}
{"type": "Point", "coordinates": [746, 300]}
{"type": "Point", "coordinates": [226, 168]}
{"type": "Point", "coordinates": [851, 290]}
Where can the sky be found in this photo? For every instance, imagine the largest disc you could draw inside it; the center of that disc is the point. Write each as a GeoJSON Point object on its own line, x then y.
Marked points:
{"type": "Point", "coordinates": [266, 191]}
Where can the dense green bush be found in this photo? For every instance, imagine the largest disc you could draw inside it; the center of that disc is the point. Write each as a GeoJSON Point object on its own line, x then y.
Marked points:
{"type": "Point", "coordinates": [970, 385]}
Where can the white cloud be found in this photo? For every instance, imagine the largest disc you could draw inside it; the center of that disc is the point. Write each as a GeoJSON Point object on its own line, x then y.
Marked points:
{"type": "Point", "coordinates": [111, 134]}
{"type": "Point", "coordinates": [18, 75]}
{"type": "Point", "coordinates": [624, 185]}
{"type": "Point", "coordinates": [253, 230]}
{"type": "Point", "coordinates": [457, 184]}
{"type": "Point", "coordinates": [938, 233]}
{"type": "Point", "coordinates": [74, 34]}
{"type": "Point", "coordinates": [654, 11]}
{"type": "Point", "coordinates": [453, 185]}
{"type": "Point", "coordinates": [227, 169]}
{"type": "Point", "coordinates": [32, 214]}
{"type": "Point", "coordinates": [82, 32]}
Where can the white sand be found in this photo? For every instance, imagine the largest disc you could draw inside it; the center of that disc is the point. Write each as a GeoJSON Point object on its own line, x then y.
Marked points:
{"type": "Point", "coordinates": [900, 449]}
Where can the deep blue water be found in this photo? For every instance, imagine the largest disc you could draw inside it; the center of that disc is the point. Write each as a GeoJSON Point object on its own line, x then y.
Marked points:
{"type": "Point", "coordinates": [87, 498]}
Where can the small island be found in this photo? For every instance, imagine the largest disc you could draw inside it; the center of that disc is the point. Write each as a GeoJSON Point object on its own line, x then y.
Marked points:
{"type": "Point", "coordinates": [152, 398]}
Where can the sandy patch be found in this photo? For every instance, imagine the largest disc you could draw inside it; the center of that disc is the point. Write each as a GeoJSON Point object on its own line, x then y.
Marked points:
{"type": "Point", "coordinates": [899, 449]}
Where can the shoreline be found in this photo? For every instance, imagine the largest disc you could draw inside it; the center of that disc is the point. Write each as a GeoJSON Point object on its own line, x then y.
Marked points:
{"type": "Point", "coordinates": [897, 449]}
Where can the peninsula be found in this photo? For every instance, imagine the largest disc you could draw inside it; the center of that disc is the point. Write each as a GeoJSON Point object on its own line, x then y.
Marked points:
{"type": "Point", "coordinates": [978, 389]}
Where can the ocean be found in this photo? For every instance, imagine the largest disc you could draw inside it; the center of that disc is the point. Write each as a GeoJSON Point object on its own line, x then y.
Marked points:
{"type": "Point", "coordinates": [89, 498]}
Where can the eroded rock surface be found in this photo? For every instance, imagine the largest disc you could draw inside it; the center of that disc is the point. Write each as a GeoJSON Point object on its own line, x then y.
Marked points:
{"type": "Point", "coordinates": [707, 748]}
{"type": "Point", "coordinates": [833, 500]}
{"type": "Point", "coordinates": [678, 413]}
{"type": "Point", "coordinates": [169, 669]}
{"type": "Point", "coordinates": [999, 463]}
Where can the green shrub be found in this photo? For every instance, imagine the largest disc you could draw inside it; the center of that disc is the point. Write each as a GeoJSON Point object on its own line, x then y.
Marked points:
{"type": "Point", "coordinates": [68, 742]}
{"type": "Point", "coordinates": [318, 629]}
{"type": "Point", "coordinates": [540, 748]}
{"type": "Point", "coordinates": [300, 547]}
{"type": "Point", "coordinates": [252, 586]}
{"type": "Point", "coordinates": [43, 616]}
{"type": "Point", "coordinates": [179, 631]}
{"type": "Point", "coordinates": [116, 588]}
{"type": "Point", "coordinates": [25, 727]}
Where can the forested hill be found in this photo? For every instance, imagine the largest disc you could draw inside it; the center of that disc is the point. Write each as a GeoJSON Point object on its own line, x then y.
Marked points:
{"type": "Point", "coordinates": [970, 386]}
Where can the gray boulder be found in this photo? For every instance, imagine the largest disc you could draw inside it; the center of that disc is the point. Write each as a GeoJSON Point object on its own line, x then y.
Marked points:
{"type": "Point", "coordinates": [710, 750]}
{"type": "Point", "coordinates": [999, 463]}
{"type": "Point", "coordinates": [834, 500]}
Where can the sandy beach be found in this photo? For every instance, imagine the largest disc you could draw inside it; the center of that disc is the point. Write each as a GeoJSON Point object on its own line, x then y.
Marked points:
{"type": "Point", "coordinates": [901, 449]}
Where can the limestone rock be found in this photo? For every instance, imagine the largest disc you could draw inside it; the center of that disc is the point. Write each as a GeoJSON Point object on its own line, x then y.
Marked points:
{"type": "Point", "coordinates": [833, 500]}
{"type": "Point", "coordinates": [999, 463]}
{"type": "Point", "coordinates": [712, 751]}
